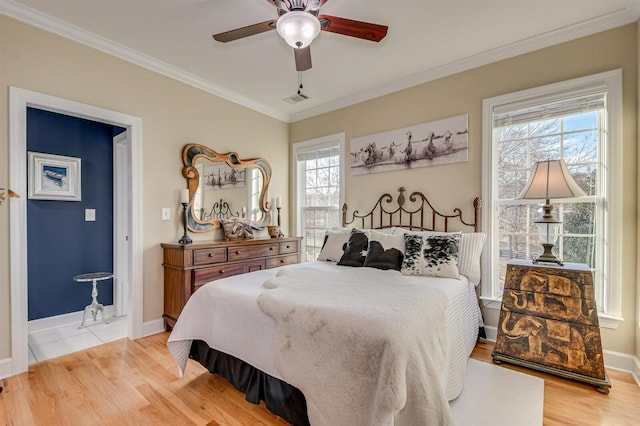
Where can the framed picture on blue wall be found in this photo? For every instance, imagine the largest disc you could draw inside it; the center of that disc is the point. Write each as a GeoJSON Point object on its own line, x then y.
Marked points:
{"type": "Point", "coordinates": [54, 177]}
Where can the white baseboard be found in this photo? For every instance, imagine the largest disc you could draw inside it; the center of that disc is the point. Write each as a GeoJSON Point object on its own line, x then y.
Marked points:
{"type": "Point", "coordinates": [612, 360]}
{"type": "Point", "coordinates": [491, 332]}
{"type": "Point", "coordinates": [64, 319]}
{"type": "Point", "coordinates": [623, 362]}
{"type": "Point", "coordinates": [6, 368]}
{"type": "Point", "coordinates": [152, 327]}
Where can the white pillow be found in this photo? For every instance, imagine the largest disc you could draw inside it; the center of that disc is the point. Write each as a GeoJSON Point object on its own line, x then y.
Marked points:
{"type": "Point", "coordinates": [471, 245]}
{"type": "Point", "coordinates": [332, 250]}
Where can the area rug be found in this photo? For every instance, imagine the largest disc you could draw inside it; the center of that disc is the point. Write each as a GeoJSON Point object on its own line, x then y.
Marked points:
{"type": "Point", "coordinates": [495, 396]}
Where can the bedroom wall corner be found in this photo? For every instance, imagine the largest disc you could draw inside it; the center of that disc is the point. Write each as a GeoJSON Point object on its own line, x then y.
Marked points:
{"type": "Point", "coordinates": [637, 280]}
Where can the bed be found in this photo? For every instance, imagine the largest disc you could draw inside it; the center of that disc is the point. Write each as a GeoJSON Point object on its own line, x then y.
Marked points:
{"type": "Point", "coordinates": [323, 343]}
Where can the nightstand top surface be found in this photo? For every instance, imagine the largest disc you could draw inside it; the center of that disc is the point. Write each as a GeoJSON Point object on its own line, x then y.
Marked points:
{"type": "Point", "coordinates": [567, 265]}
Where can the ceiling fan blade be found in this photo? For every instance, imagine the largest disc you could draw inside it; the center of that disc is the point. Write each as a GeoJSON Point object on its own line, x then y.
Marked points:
{"type": "Point", "coordinates": [245, 31]}
{"type": "Point", "coordinates": [349, 27]}
{"type": "Point", "coordinates": [303, 58]}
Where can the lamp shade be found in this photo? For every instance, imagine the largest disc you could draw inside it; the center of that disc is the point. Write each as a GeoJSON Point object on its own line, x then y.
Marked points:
{"type": "Point", "coordinates": [551, 179]}
{"type": "Point", "coordinates": [298, 28]}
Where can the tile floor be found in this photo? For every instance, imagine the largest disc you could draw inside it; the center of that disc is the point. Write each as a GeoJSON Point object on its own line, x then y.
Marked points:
{"type": "Point", "coordinates": [58, 341]}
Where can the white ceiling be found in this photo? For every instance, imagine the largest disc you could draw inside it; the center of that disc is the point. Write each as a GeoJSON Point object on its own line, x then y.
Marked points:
{"type": "Point", "coordinates": [427, 39]}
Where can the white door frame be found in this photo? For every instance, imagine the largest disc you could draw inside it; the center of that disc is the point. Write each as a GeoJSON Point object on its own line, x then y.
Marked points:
{"type": "Point", "coordinates": [121, 179]}
{"type": "Point", "coordinates": [19, 100]}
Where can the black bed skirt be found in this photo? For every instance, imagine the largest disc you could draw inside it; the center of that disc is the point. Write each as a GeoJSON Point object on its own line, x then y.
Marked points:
{"type": "Point", "coordinates": [281, 398]}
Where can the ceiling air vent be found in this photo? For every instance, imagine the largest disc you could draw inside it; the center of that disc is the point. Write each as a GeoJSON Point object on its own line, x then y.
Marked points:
{"type": "Point", "coordinates": [298, 97]}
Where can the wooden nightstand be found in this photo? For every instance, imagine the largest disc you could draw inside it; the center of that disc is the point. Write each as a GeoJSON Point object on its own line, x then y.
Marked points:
{"type": "Point", "coordinates": [549, 322]}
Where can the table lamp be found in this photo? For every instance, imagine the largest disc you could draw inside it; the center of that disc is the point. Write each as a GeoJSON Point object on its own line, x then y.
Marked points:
{"type": "Point", "coordinates": [549, 179]}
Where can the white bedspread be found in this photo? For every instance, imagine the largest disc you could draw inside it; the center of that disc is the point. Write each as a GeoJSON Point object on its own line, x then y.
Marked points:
{"type": "Point", "coordinates": [225, 314]}
{"type": "Point", "coordinates": [365, 347]}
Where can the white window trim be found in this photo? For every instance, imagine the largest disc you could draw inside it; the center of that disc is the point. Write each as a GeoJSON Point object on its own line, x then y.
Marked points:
{"type": "Point", "coordinates": [312, 145]}
{"type": "Point", "coordinates": [611, 313]}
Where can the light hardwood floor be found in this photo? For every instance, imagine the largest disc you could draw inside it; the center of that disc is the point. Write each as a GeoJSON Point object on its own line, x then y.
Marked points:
{"type": "Point", "coordinates": [136, 383]}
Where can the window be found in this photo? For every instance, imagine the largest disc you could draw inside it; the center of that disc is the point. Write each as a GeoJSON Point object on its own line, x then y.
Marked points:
{"type": "Point", "coordinates": [255, 189]}
{"type": "Point", "coordinates": [579, 121]}
{"type": "Point", "coordinates": [319, 169]}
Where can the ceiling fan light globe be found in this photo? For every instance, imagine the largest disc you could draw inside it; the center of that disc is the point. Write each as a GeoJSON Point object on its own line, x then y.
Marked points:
{"type": "Point", "coordinates": [298, 28]}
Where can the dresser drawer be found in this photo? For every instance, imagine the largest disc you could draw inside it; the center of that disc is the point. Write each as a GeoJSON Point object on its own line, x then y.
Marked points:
{"type": "Point", "coordinates": [254, 265]}
{"type": "Point", "coordinates": [204, 275]}
{"type": "Point", "coordinates": [207, 256]}
{"type": "Point", "coordinates": [550, 280]}
{"type": "Point", "coordinates": [247, 252]}
{"type": "Point", "coordinates": [547, 305]}
{"type": "Point", "coordinates": [282, 260]}
{"type": "Point", "coordinates": [559, 344]}
{"type": "Point", "coordinates": [288, 247]}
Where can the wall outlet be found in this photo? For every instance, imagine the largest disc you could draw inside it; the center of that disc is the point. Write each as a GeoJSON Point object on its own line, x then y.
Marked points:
{"type": "Point", "coordinates": [166, 213]}
{"type": "Point", "coordinates": [89, 215]}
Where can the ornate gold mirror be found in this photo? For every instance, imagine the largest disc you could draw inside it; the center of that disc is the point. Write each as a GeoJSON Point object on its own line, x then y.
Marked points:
{"type": "Point", "coordinates": [223, 186]}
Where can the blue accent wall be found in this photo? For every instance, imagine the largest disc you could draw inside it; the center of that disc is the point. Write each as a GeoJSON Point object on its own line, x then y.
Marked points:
{"type": "Point", "coordinates": [60, 244]}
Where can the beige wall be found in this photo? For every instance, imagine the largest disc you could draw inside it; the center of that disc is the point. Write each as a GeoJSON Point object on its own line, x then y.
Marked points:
{"type": "Point", "coordinates": [457, 184]}
{"type": "Point", "coordinates": [172, 113]}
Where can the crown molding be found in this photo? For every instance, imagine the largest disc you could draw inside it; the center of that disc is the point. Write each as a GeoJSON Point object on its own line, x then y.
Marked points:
{"type": "Point", "coordinates": [613, 20]}
{"type": "Point", "coordinates": [64, 29]}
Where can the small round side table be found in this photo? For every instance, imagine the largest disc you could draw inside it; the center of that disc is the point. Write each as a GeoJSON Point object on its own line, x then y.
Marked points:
{"type": "Point", "coordinates": [94, 307]}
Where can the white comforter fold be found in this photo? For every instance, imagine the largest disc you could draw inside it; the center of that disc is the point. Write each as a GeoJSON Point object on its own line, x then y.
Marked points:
{"type": "Point", "coordinates": [363, 350]}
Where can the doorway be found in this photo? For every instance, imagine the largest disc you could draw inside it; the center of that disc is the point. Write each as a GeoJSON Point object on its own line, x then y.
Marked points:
{"type": "Point", "coordinates": [127, 210]}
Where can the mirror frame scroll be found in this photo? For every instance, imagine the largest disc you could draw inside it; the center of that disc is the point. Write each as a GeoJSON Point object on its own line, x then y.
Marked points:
{"type": "Point", "coordinates": [191, 153]}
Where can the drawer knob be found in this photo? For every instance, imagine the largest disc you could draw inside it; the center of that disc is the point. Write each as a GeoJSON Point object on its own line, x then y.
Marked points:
{"type": "Point", "coordinates": [210, 255]}
{"type": "Point", "coordinates": [237, 251]}
{"type": "Point", "coordinates": [222, 271]}
{"type": "Point", "coordinates": [271, 248]}
{"type": "Point", "coordinates": [288, 246]}
{"type": "Point", "coordinates": [281, 260]}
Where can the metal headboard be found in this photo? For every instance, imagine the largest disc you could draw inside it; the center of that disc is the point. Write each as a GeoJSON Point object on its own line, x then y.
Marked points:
{"type": "Point", "coordinates": [219, 210]}
{"type": "Point", "coordinates": [425, 217]}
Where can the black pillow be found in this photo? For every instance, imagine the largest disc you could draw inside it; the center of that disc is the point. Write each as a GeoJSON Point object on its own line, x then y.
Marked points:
{"type": "Point", "coordinates": [385, 251]}
{"type": "Point", "coordinates": [355, 250]}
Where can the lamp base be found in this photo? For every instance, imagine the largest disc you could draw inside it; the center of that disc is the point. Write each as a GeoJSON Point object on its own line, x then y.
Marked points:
{"type": "Point", "coordinates": [547, 256]}
{"type": "Point", "coordinates": [185, 240]}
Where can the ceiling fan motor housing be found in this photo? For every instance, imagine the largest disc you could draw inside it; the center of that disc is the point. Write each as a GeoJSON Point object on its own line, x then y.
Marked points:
{"type": "Point", "coordinates": [298, 28]}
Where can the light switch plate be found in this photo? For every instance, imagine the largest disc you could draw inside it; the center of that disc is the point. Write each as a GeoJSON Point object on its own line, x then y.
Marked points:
{"type": "Point", "coordinates": [166, 213]}
{"type": "Point", "coordinates": [89, 215]}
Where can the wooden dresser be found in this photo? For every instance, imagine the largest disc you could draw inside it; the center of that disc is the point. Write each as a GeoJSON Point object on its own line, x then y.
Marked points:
{"type": "Point", "coordinates": [549, 322]}
{"type": "Point", "coordinates": [188, 267]}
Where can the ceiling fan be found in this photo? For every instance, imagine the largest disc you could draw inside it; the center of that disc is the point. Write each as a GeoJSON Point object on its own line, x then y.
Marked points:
{"type": "Point", "coordinates": [299, 24]}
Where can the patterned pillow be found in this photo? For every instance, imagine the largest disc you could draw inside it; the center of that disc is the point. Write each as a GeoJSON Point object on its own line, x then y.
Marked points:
{"type": "Point", "coordinates": [440, 255]}
{"type": "Point", "coordinates": [333, 247]}
{"type": "Point", "coordinates": [355, 250]}
{"type": "Point", "coordinates": [471, 244]}
{"type": "Point", "coordinates": [385, 251]}
{"type": "Point", "coordinates": [412, 262]}
{"type": "Point", "coordinates": [431, 255]}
